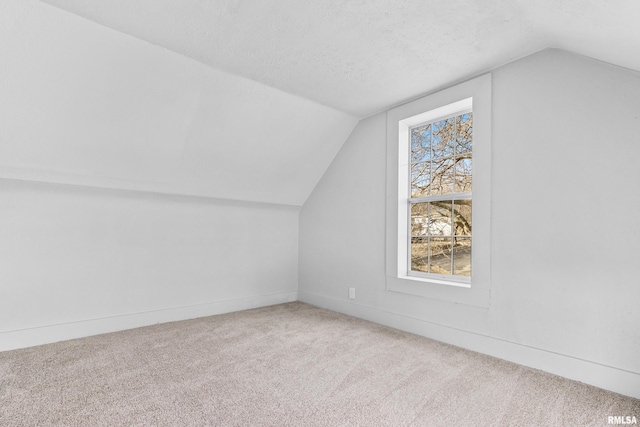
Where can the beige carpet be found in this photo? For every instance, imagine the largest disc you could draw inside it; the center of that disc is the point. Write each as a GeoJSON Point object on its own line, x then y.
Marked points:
{"type": "Point", "coordinates": [286, 365]}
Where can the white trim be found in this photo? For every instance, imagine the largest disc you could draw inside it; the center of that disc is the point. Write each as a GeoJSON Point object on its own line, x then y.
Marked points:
{"type": "Point", "coordinates": [399, 119]}
{"type": "Point", "coordinates": [603, 376]}
{"type": "Point", "coordinates": [414, 275]}
{"type": "Point", "coordinates": [21, 338]}
{"type": "Point", "coordinates": [440, 113]}
{"type": "Point", "coordinates": [442, 197]}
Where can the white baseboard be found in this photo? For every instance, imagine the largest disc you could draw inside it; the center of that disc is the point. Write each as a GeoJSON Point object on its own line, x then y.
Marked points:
{"type": "Point", "coordinates": [588, 372]}
{"type": "Point", "coordinates": [29, 337]}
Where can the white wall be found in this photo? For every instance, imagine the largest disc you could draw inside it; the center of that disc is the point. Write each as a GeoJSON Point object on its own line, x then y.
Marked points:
{"type": "Point", "coordinates": [85, 105]}
{"type": "Point", "coordinates": [78, 261]}
{"type": "Point", "coordinates": [564, 288]}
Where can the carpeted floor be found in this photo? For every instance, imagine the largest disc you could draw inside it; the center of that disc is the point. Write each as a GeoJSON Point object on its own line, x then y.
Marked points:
{"type": "Point", "coordinates": [285, 365]}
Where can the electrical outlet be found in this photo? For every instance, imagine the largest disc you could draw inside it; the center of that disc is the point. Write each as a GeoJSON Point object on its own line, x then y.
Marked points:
{"type": "Point", "coordinates": [352, 293]}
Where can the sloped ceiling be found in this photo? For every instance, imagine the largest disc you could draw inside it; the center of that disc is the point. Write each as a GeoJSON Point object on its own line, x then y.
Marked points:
{"type": "Point", "coordinates": [86, 105]}
{"type": "Point", "coordinates": [362, 56]}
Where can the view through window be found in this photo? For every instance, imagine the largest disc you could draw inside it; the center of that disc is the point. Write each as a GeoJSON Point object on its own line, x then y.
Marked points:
{"type": "Point", "coordinates": [440, 196]}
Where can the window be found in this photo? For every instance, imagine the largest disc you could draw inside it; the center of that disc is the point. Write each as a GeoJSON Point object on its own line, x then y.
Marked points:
{"type": "Point", "coordinates": [438, 195]}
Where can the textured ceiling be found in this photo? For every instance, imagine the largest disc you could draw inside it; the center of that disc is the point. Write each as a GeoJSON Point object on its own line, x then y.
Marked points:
{"type": "Point", "coordinates": [362, 56]}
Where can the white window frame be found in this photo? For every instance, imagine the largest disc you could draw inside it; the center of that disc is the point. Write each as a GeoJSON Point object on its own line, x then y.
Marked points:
{"type": "Point", "coordinates": [404, 167]}
{"type": "Point", "coordinates": [475, 290]}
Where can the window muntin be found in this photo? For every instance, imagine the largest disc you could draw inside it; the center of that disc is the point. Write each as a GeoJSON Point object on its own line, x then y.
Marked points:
{"type": "Point", "coordinates": [440, 197]}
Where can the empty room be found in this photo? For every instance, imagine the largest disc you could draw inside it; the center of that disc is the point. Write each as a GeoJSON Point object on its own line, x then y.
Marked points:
{"type": "Point", "coordinates": [319, 213]}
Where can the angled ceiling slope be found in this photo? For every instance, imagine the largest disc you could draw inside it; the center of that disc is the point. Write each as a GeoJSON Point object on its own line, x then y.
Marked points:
{"type": "Point", "coordinates": [84, 104]}
{"type": "Point", "coordinates": [363, 56]}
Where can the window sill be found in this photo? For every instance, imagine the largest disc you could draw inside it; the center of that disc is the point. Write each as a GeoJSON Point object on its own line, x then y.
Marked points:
{"type": "Point", "coordinates": [441, 290]}
{"type": "Point", "coordinates": [436, 281]}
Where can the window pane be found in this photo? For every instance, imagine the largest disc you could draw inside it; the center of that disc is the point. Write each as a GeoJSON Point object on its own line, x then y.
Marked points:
{"type": "Point", "coordinates": [462, 256]}
{"type": "Point", "coordinates": [443, 138]}
{"type": "Point", "coordinates": [440, 255]}
{"type": "Point", "coordinates": [464, 133]}
{"type": "Point", "coordinates": [419, 219]}
{"type": "Point", "coordinates": [463, 169]}
{"type": "Point", "coordinates": [442, 176]}
{"type": "Point", "coordinates": [462, 217]}
{"type": "Point", "coordinates": [419, 254]}
{"type": "Point", "coordinates": [440, 218]}
{"type": "Point", "coordinates": [421, 144]}
{"type": "Point", "coordinates": [420, 179]}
